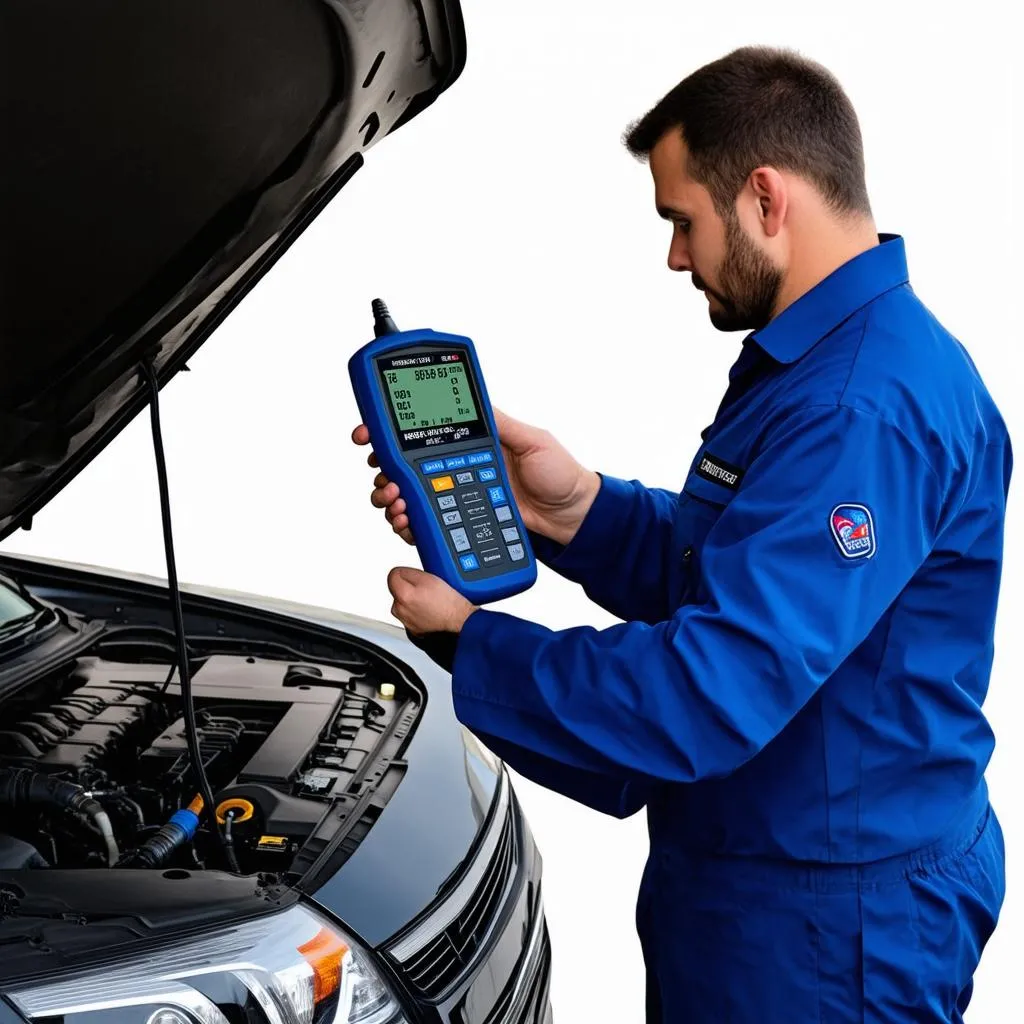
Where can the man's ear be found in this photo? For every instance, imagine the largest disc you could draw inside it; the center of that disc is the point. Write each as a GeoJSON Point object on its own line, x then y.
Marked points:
{"type": "Point", "coordinates": [771, 199]}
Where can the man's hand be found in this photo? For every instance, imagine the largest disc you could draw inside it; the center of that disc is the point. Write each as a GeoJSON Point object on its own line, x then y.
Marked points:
{"type": "Point", "coordinates": [426, 604]}
{"type": "Point", "coordinates": [385, 494]}
{"type": "Point", "coordinates": [553, 491]}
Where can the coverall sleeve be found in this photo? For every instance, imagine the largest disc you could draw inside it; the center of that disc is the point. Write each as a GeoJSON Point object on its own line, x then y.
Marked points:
{"type": "Point", "coordinates": [697, 695]}
{"type": "Point", "coordinates": [613, 795]}
{"type": "Point", "coordinates": [605, 555]}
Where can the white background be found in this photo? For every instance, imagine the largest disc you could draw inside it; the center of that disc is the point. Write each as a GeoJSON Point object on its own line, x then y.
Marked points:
{"type": "Point", "coordinates": [510, 212]}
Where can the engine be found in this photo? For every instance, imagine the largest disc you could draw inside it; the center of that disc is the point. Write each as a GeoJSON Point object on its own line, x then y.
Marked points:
{"type": "Point", "coordinates": [95, 769]}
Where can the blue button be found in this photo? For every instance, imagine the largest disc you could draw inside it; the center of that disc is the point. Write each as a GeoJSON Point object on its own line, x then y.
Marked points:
{"type": "Point", "coordinates": [479, 457]}
{"type": "Point", "coordinates": [486, 475]}
{"type": "Point", "coordinates": [469, 563]}
{"type": "Point", "coordinates": [497, 495]}
{"type": "Point", "coordinates": [455, 462]}
{"type": "Point", "coordinates": [432, 467]}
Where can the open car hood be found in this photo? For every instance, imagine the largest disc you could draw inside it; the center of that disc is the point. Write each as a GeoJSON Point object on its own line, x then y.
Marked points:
{"type": "Point", "coordinates": [158, 158]}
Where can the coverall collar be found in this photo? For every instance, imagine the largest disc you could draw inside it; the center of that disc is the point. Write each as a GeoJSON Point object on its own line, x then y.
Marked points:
{"type": "Point", "coordinates": [852, 286]}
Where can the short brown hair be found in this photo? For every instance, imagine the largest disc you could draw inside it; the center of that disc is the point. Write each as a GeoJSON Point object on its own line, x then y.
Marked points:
{"type": "Point", "coordinates": [761, 106]}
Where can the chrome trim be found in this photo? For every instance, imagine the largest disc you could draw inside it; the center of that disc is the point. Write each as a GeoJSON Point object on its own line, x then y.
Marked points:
{"type": "Point", "coordinates": [527, 977]}
{"type": "Point", "coordinates": [449, 909]}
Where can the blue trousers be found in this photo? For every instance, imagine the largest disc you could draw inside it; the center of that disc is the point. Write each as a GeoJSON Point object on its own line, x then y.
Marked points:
{"type": "Point", "coordinates": [730, 941]}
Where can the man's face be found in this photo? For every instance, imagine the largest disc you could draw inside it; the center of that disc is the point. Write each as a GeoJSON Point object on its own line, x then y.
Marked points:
{"type": "Point", "coordinates": [739, 279]}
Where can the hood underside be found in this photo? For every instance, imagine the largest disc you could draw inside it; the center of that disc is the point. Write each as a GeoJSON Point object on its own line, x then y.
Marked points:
{"type": "Point", "coordinates": [158, 159]}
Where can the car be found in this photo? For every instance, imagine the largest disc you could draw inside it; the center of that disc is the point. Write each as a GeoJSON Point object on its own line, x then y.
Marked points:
{"type": "Point", "coordinates": [217, 808]}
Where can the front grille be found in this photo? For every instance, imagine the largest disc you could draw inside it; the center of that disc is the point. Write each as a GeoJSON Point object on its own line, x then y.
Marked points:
{"type": "Point", "coordinates": [435, 967]}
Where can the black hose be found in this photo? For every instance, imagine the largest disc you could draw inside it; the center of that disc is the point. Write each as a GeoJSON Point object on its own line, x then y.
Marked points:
{"type": "Point", "coordinates": [156, 850]}
{"type": "Point", "coordinates": [191, 727]}
{"type": "Point", "coordinates": [20, 787]}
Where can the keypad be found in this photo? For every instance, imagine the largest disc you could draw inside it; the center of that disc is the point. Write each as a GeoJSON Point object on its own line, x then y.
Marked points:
{"type": "Point", "coordinates": [478, 519]}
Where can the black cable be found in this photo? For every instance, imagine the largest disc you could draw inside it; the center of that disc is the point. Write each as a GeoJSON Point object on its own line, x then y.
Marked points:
{"type": "Point", "coordinates": [229, 842]}
{"type": "Point", "coordinates": [188, 705]}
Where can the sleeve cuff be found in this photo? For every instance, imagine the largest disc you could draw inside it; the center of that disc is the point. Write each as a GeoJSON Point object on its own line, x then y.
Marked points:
{"type": "Point", "coordinates": [596, 537]}
{"type": "Point", "coordinates": [492, 660]}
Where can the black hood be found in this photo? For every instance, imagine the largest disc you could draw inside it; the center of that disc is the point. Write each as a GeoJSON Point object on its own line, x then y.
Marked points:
{"type": "Point", "coordinates": [158, 157]}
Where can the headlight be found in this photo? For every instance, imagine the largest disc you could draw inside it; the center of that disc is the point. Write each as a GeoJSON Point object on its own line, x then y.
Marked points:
{"type": "Point", "coordinates": [287, 968]}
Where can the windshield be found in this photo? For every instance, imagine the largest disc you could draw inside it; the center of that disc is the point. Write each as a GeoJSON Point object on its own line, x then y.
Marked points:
{"type": "Point", "coordinates": [13, 607]}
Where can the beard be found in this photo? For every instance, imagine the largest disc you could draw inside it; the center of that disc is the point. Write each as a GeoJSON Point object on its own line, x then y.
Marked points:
{"type": "Point", "coordinates": [749, 283]}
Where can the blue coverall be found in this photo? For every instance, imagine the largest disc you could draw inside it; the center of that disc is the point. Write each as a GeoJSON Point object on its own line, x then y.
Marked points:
{"type": "Point", "coordinates": [796, 690]}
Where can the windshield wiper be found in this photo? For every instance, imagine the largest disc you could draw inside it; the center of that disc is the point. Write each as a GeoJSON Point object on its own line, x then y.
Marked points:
{"type": "Point", "coordinates": [26, 626]}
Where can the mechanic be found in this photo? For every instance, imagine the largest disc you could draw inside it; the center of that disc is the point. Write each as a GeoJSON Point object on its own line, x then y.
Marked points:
{"type": "Point", "coordinates": [795, 691]}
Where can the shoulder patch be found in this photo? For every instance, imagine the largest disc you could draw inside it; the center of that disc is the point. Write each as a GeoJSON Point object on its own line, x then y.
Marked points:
{"type": "Point", "coordinates": [853, 530]}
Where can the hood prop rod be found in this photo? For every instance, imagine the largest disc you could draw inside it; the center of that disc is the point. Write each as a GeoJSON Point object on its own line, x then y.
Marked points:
{"type": "Point", "coordinates": [185, 676]}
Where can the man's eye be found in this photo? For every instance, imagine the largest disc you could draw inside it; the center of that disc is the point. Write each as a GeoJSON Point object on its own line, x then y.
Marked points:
{"type": "Point", "coordinates": [683, 226]}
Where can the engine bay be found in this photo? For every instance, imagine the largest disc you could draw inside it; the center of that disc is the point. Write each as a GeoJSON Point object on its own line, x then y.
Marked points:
{"type": "Point", "coordinates": [290, 748]}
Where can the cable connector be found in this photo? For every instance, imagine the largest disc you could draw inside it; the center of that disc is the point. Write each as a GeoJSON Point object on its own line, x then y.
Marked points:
{"type": "Point", "coordinates": [382, 322]}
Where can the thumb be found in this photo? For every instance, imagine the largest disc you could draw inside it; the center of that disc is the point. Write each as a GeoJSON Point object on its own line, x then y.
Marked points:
{"type": "Point", "coordinates": [515, 435]}
{"type": "Point", "coordinates": [402, 579]}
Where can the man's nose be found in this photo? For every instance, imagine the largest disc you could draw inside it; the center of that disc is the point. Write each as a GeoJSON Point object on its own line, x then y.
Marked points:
{"type": "Point", "coordinates": [679, 255]}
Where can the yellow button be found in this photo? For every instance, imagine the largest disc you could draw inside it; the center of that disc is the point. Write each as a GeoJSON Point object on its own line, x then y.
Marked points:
{"type": "Point", "coordinates": [443, 483]}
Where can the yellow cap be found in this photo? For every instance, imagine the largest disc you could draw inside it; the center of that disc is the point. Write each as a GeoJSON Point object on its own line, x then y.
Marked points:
{"type": "Point", "coordinates": [235, 804]}
{"type": "Point", "coordinates": [387, 691]}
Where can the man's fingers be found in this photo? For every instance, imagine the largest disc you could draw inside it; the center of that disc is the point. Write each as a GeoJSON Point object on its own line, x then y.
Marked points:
{"type": "Point", "coordinates": [393, 514]}
{"type": "Point", "coordinates": [382, 497]}
{"type": "Point", "coordinates": [371, 460]}
{"type": "Point", "coordinates": [361, 434]}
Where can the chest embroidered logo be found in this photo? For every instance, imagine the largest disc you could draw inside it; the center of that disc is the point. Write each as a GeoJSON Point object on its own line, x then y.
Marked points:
{"type": "Point", "coordinates": [718, 471]}
{"type": "Point", "coordinates": [853, 530]}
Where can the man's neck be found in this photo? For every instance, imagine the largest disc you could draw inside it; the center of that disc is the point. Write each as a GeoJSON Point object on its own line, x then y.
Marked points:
{"type": "Point", "coordinates": [827, 248]}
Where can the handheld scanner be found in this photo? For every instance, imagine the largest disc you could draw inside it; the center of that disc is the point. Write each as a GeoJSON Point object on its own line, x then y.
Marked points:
{"type": "Point", "coordinates": [423, 398]}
